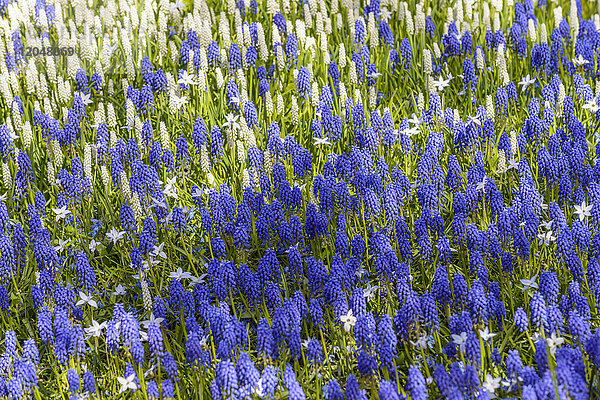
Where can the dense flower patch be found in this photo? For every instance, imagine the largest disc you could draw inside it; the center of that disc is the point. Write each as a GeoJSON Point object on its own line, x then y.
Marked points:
{"type": "Point", "coordinates": [299, 199]}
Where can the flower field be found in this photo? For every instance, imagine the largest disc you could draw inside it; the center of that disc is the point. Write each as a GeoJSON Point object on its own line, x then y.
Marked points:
{"type": "Point", "coordinates": [312, 199]}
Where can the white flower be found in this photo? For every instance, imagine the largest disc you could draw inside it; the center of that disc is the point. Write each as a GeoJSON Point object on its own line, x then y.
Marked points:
{"type": "Point", "coordinates": [197, 192]}
{"type": "Point", "coordinates": [360, 271]}
{"type": "Point", "coordinates": [554, 341]}
{"type": "Point", "coordinates": [545, 238]}
{"type": "Point", "coordinates": [474, 120]}
{"type": "Point", "coordinates": [583, 210]}
{"type": "Point", "coordinates": [591, 106]}
{"type": "Point", "coordinates": [119, 290]}
{"type": "Point", "coordinates": [421, 342]}
{"type": "Point", "coordinates": [149, 370]}
{"type": "Point", "coordinates": [152, 320]}
{"type": "Point", "coordinates": [158, 251]}
{"type": "Point", "coordinates": [415, 120]}
{"type": "Point", "coordinates": [580, 61]}
{"type": "Point", "coordinates": [547, 225]}
{"type": "Point", "coordinates": [373, 75]}
{"type": "Point", "coordinates": [321, 141]}
{"type": "Point", "coordinates": [232, 121]}
{"type": "Point", "coordinates": [491, 384]}
{"type": "Point", "coordinates": [62, 244]}
{"type": "Point", "coordinates": [198, 280]}
{"type": "Point", "coordinates": [93, 245]}
{"type": "Point", "coordinates": [179, 274]}
{"type": "Point", "coordinates": [178, 5]}
{"type": "Point", "coordinates": [171, 188]}
{"type": "Point", "coordinates": [85, 299]}
{"type": "Point", "coordinates": [513, 164]}
{"type": "Point", "coordinates": [369, 291]}
{"type": "Point", "coordinates": [159, 203]}
{"type": "Point", "coordinates": [481, 185]}
{"type": "Point", "coordinates": [441, 83]}
{"type": "Point", "coordinates": [530, 283]}
{"type": "Point", "coordinates": [411, 131]}
{"type": "Point", "coordinates": [127, 383]}
{"type": "Point", "coordinates": [148, 264]}
{"type": "Point", "coordinates": [86, 98]}
{"type": "Point", "coordinates": [460, 340]}
{"type": "Point", "coordinates": [179, 102]}
{"type": "Point", "coordinates": [526, 81]}
{"type": "Point", "coordinates": [61, 212]}
{"type": "Point", "coordinates": [258, 389]}
{"type": "Point", "coordinates": [536, 337]}
{"type": "Point", "coordinates": [95, 330]}
{"type": "Point", "coordinates": [186, 79]}
{"type": "Point", "coordinates": [348, 320]}
{"type": "Point", "coordinates": [485, 334]}
{"type": "Point", "coordinates": [114, 235]}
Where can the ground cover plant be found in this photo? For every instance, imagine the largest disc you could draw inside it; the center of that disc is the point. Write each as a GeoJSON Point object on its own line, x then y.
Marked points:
{"type": "Point", "coordinates": [322, 199]}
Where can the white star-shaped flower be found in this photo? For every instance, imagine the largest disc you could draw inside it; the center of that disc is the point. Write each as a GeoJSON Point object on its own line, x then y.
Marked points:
{"type": "Point", "coordinates": [119, 290]}
{"type": "Point", "coordinates": [198, 280]}
{"type": "Point", "coordinates": [171, 188]}
{"type": "Point", "coordinates": [554, 341]}
{"type": "Point", "coordinates": [485, 334]}
{"type": "Point", "coordinates": [321, 141]}
{"type": "Point", "coordinates": [186, 79]}
{"type": "Point", "coordinates": [197, 192]}
{"type": "Point", "coordinates": [547, 225]}
{"type": "Point", "coordinates": [85, 299]}
{"type": "Point", "coordinates": [179, 274]}
{"type": "Point", "coordinates": [179, 102]}
{"type": "Point", "coordinates": [93, 245]}
{"type": "Point", "coordinates": [580, 61]}
{"type": "Point", "coordinates": [421, 342]}
{"type": "Point", "coordinates": [109, 50]}
{"type": "Point", "coordinates": [474, 120]}
{"type": "Point", "coordinates": [591, 106]}
{"type": "Point", "coordinates": [127, 383]}
{"type": "Point", "coordinates": [348, 320]}
{"type": "Point", "coordinates": [545, 238]}
{"type": "Point", "coordinates": [491, 384]}
{"type": "Point", "coordinates": [152, 320]}
{"type": "Point", "coordinates": [178, 5]}
{"type": "Point", "coordinates": [513, 164]}
{"type": "Point", "coordinates": [373, 75]}
{"type": "Point", "coordinates": [159, 203]}
{"type": "Point", "coordinates": [583, 210]}
{"type": "Point", "coordinates": [114, 235]}
{"type": "Point", "coordinates": [231, 121]}
{"type": "Point", "coordinates": [412, 131]}
{"type": "Point", "coordinates": [62, 244]}
{"type": "Point", "coordinates": [158, 251]}
{"type": "Point", "coordinates": [369, 291]}
{"type": "Point", "coordinates": [86, 98]}
{"type": "Point", "coordinates": [95, 330]}
{"type": "Point", "coordinates": [61, 213]}
{"type": "Point", "coordinates": [526, 81]}
{"type": "Point", "coordinates": [460, 340]}
{"type": "Point", "coordinates": [414, 120]}
{"type": "Point", "coordinates": [481, 185]}
{"type": "Point", "coordinates": [441, 83]}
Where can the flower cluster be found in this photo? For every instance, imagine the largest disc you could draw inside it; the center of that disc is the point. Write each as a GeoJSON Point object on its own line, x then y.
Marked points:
{"type": "Point", "coordinates": [315, 199]}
